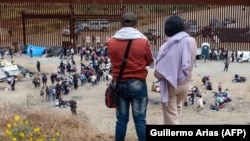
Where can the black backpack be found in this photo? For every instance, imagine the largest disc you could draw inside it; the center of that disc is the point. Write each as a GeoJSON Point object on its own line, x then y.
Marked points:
{"type": "Point", "coordinates": [87, 74]}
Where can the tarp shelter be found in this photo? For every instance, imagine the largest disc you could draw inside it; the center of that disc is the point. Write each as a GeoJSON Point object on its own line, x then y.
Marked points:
{"type": "Point", "coordinates": [245, 57]}
{"type": "Point", "coordinates": [54, 51]}
{"type": "Point", "coordinates": [37, 50]}
{"type": "Point", "coordinates": [205, 48]}
{"type": "Point", "coordinates": [3, 76]}
{"type": "Point", "coordinates": [22, 69]}
{"type": "Point", "coordinates": [9, 69]}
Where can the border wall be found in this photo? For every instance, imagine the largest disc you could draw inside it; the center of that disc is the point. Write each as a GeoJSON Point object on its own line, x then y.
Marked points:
{"type": "Point", "coordinates": [223, 24]}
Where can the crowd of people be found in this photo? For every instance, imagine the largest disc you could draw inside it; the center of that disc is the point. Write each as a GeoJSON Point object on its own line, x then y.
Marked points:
{"type": "Point", "coordinates": [220, 99]}
{"type": "Point", "coordinates": [223, 54]}
{"type": "Point", "coordinates": [70, 76]}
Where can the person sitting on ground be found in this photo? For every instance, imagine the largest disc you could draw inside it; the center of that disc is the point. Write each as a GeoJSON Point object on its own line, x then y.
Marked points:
{"type": "Point", "coordinates": [219, 100]}
{"type": "Point", "coordinates": [215, 106]}
{"type": "Point", "coordinates": [226, 97]}
{"type": "Point", "coordinates": [61, 103]}
{"type": "Point", "coordinates": [209, 85]}
{"type": "Point", "coordinates": [226, 93]}
{"type": "Point", "coordinates": [204, 79]}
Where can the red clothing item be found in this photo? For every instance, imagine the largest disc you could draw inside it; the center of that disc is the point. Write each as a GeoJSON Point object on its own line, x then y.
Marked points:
{"type": "Point", "coordinates": [139, 56]}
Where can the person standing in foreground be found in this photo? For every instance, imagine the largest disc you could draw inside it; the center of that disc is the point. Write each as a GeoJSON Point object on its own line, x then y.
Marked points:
{"type": "Point", "coordinates": [174, 67]}
{"type": "Point", "coordinates": [133, 87]}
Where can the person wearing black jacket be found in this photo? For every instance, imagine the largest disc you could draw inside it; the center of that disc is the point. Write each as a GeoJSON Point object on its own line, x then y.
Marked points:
{"type": "Point", "coordinates": [58, 90]}
{"type": "Point", "coordinates": [44, 79]}
{"type": "Point", "coordinates": [62, 67]}
{"type": "Point", "coordinates": [11, 53]}
{"type": "Point", "coordinates": [75, 81]}
{"type": "Point", "coordinates": [204, 80]}
{"type": "Point", "coordinates": [38, 66]}
{"type": "Point", "coordinates": [53, 78]}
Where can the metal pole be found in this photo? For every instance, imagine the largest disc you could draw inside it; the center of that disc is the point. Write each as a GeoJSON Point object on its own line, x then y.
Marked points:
{"type": "Point", "coordinates": [24, 29]}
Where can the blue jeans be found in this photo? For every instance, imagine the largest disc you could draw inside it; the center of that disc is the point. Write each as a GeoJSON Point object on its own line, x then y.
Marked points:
{"type": "Point", "coordinates": [132, 92]}
{"type": "Point", "coordinates": [83, 80]}
{"type": "Point", "coordinates": [51, 97]}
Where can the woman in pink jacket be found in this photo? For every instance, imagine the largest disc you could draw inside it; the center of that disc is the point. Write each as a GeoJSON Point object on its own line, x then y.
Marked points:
{"type": "Point", "coordinates": [174, 66]}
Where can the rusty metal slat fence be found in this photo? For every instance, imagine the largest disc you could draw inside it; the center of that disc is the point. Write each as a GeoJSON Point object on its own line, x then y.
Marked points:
{"type": "Point", "coordinates": [223, 26]}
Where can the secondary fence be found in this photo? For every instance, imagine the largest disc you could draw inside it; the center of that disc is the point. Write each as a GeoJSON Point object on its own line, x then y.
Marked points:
{"type": "Point", "coordinates": [71, 24]}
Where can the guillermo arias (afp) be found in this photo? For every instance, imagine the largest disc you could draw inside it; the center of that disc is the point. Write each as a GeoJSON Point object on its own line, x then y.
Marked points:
{"type": "Point", "coordinates": [169, 132]}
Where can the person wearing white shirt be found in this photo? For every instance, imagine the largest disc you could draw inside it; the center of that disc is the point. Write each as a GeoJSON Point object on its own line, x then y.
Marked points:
{"type": "Point", "coordinates": [200, 103]}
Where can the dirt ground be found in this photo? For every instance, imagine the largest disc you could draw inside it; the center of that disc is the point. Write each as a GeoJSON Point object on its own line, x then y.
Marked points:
{"type": "Point", "coordinates": [91, 101]}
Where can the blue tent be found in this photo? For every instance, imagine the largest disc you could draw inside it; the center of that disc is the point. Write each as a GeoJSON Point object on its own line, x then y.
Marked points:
{"type": "Point", "coordinates": [37, 50]}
